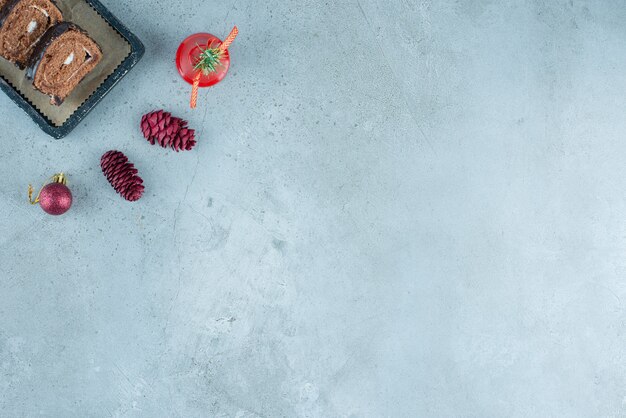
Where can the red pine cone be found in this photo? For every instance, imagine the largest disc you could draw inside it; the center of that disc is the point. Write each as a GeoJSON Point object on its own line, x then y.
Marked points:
{"type": "Point", "coordinates": [169, 131]}
{"type": "Point", "coordinates": [122, 175]}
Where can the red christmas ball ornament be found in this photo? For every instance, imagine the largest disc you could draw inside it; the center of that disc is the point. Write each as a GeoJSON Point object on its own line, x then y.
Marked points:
{"type": "Point", "coordinates": [55, 198]}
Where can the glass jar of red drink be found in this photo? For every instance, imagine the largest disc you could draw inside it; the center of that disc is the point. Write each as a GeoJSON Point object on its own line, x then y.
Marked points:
{"type": "Point", "coordinates": [188, 54]}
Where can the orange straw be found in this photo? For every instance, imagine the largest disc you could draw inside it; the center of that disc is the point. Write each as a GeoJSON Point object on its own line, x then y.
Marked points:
{"type": "Point", "coordinates": [194, 90]}
{"type": "Point", "coordinates": [229, 39]}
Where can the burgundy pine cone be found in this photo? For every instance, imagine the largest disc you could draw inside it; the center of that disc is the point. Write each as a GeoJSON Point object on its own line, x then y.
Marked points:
{"type": "Point", "coordinates": [168, 131]}
{"type": "Point", "coordinates": [122, 175]}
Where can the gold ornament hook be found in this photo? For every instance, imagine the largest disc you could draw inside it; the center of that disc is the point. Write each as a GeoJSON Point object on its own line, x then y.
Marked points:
{"type": "Point", "coordinates": [57, 178]}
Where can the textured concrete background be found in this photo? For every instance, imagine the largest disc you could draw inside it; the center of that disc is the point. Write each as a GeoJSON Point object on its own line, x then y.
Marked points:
{"type": "Point", "coordinates": [396, 208]}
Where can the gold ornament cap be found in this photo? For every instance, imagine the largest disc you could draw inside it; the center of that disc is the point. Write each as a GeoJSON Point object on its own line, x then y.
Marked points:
{"type": "Point", "coordinates": [57, 178]}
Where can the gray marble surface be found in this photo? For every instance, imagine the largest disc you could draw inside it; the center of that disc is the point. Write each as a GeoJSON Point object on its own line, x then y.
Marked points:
{"type": "Point", "coordinates": [396, 208]}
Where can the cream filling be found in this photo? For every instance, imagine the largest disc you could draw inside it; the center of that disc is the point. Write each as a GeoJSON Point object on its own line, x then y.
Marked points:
{"type": "Point", "coordinates": [82, 65]}
{"type": "Point", "coordinates": [32, 26]}
{"type": "Point", "coordinates": [69, 59]}
{"type": "Point", "coordinates": [41, 10]}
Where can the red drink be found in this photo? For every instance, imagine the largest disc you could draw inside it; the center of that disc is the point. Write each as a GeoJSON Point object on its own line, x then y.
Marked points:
{"type": "Point", "coordinates": [187, 57]}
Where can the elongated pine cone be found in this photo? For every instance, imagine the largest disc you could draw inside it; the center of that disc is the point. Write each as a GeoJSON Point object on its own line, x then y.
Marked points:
{"type": "Point", "coordinates": [122, 175]}
{"type": "Point", "coordinates": [168, 131]}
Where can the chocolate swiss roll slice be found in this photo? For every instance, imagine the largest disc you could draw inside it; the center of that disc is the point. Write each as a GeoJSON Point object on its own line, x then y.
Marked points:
{"type": "Point", "coordinates": [63, 57]}
{"type": "Point", "coordinates": [22, 24]}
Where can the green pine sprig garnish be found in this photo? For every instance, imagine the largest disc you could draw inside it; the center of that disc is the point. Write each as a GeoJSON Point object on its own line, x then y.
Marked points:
{"type": "Point", "coordinates": [209, 60]}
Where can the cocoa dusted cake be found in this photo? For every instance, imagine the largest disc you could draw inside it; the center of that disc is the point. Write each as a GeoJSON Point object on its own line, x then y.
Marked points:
{"type": "Point", "coordinates": [22, 24]}
{"type": "Point", "coordinates": [63, 57]}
